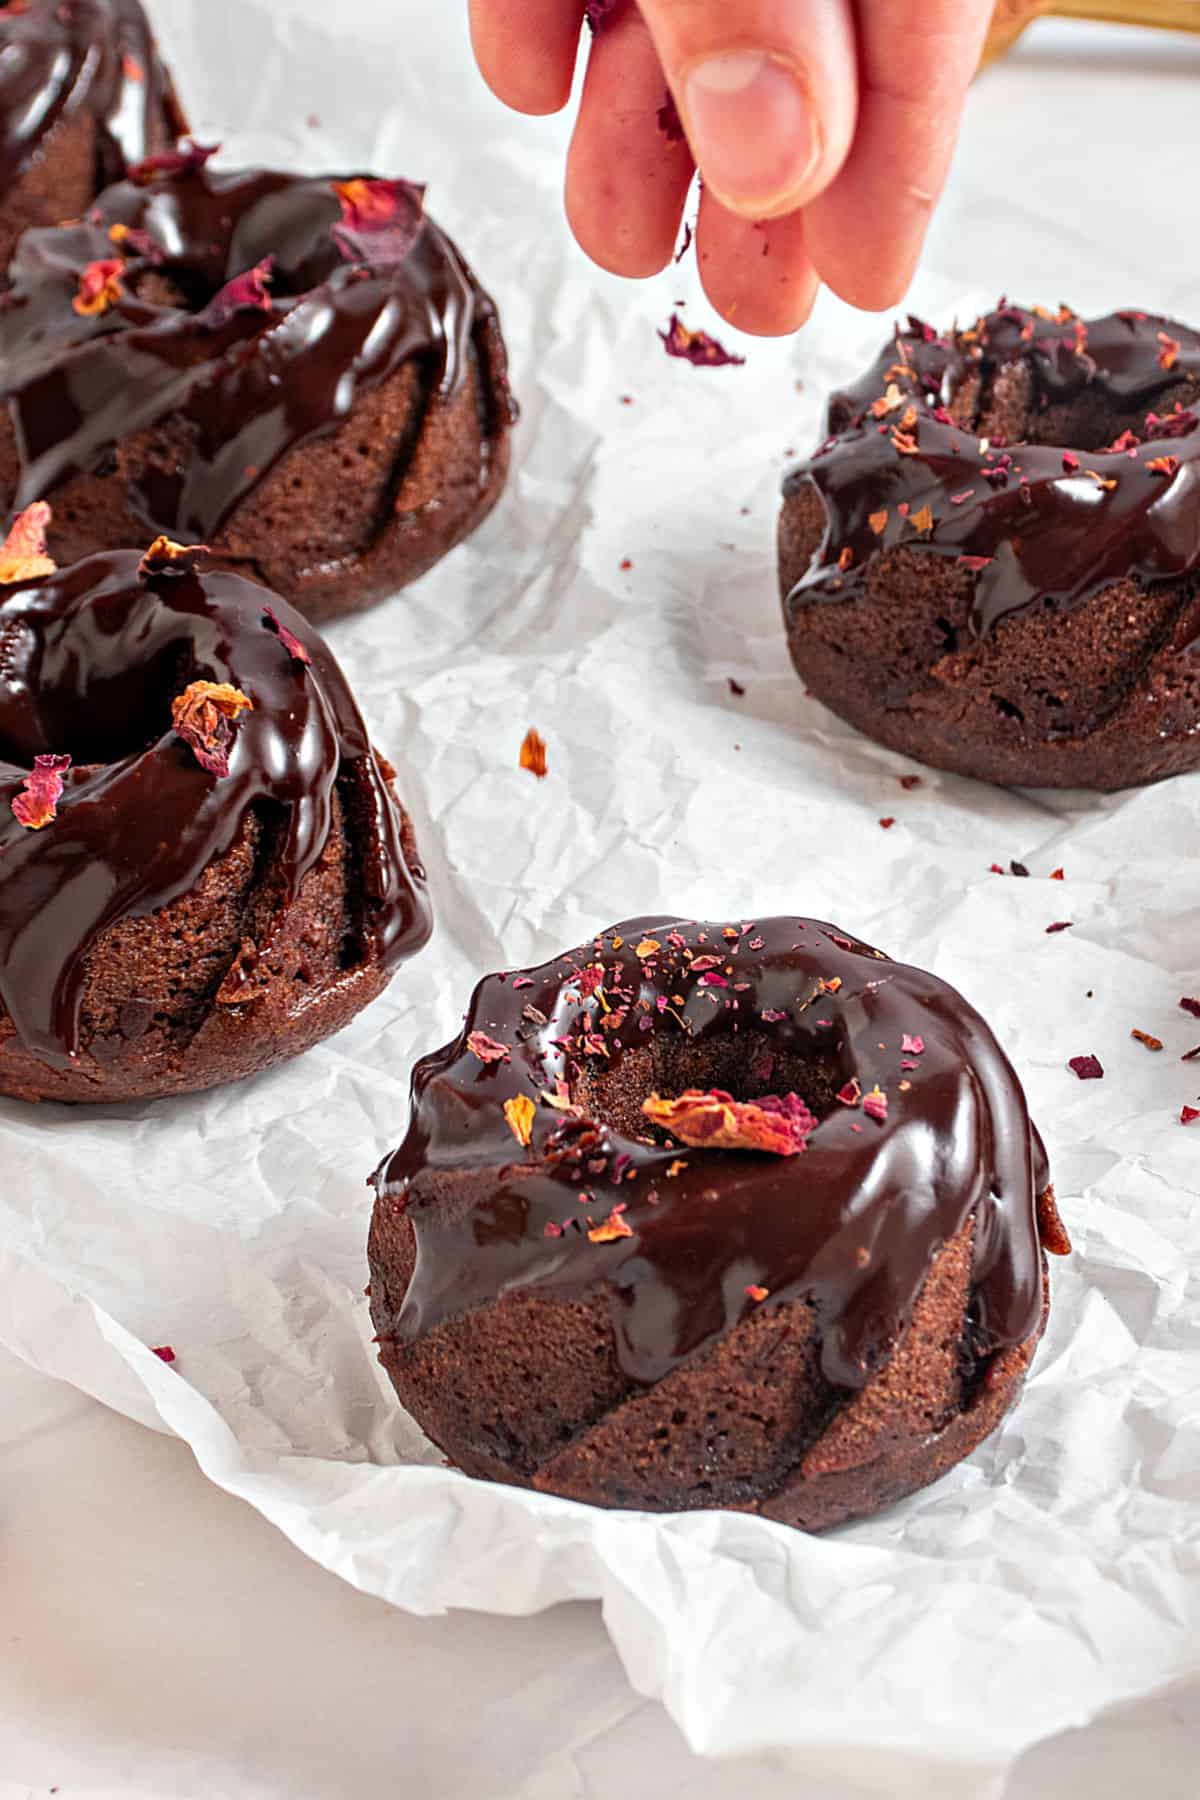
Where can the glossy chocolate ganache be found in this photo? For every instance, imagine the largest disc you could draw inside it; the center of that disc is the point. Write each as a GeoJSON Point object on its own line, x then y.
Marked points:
{"type": "Point", "coordinates": [95, 661]}
{"type": "Point", "coordinates": [200, 324]}
{"type": "Point", "coordinates": [911, 461]}
{"type": "Point", "coordinates": [531, 1164]}
{"type": "Point", "coordinates": [63, 58]}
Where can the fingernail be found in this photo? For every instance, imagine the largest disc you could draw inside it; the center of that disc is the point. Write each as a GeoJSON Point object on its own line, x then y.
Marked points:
{"type": "Point", "coordinates": [751, 128]}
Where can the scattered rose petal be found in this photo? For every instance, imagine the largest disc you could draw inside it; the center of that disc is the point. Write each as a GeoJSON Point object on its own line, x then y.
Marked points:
{"type": "Point", "coordinates": [1057, 875]}
{"type": "Point", "coordinates": [1144, 1037]}
{"type": "Point", "coordinates": [165, 557]}
{"type": "Point", "coordinates": [715, 1120]}
{"type": "Point", "coordinates": [1086, 1067]}
{"type": "Point", "coordinates": [203, 717]}
{"type": "Point", "coordinates": [909, 782]}
{"type": "Point", "coordinates": [296, 650]}
{"type": "Point", "coordinates": [486, 1048]}
{"type": "Point", "coordinates": [696, 347]}
{"type": "Point", "coordinates": [1059, 925]}
{"type": "Point", "coordinates": [647, 947]}
{"type": "Point", "coordinates": [1018, 868]}
{"type": "Point", "coordinates": [756, 1293]}
{"type": "Point", "coordinates": [133, 242]}
{"type": "Point", "coordinates": [875, 1104]}
{"type": "Point", "coordinates": [886, 824]}
{"type": "Point", "coordinates": [246, 292]}
{"type": "Point", "coordinates": [99, 287]}
{"type": "Point", "coordinates": [1163, 465]}
{"type": "Point", "coordinates": [533, 753]}
{"type": "Point", "coordinates": [851, 1094]}
{"type": "Point", "coordinates": [613, 1227]}
{"type": "Point", "coordinates": [1190, 1006]}
{"type": "Point", "coordinates": [37, 803]}
{"type": "Point", "coordinates": [878, 522]}
{"type": "Point", "coordinates": [381, 220]}
{"type": "Point", "coordinates": [685, 244]}
{"type": "Point", "coordinates": [922, 521]}
{"type": "Point", "coordinates": [518, 1113]}
{"type": "Point", "coordinates": [1168, 356]}
{"type": "Point", "coordinates": [1188, 1113]}
{"type": "Point", "coordinates": [974, 563]}
{"type": "Point", "coordinates": [912, 1046]}
{"type": "Point", "coordinates": [735, 687]}
{"type": "Point", "coordinates": [187, 159]}
{"type": "Point", "coordinates": [164, 1352]}
{"type": "Point", "coordinates": [1051, 1230]}
{"type": "Point", "coordinates": [23, 554]}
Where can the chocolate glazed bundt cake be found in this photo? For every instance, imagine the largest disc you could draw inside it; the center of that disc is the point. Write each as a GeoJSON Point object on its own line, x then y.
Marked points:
{"type": "Point", "coordinates": [83, 96]}
{"type": "Point", "coordinates": [302, 374]}
{"type": "Point", "coordinates": [993, 563]}
{"type": "Point", "coordinates": [204, 868]}
{"type": "Point", "coordinates": [744, 1216]}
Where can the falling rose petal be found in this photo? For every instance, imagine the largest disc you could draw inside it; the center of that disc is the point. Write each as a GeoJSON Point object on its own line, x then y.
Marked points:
{"type": "Point", "coordinates": [381, 220]}
{"type": "Point", "coordinates": [696, 347]}
{"type": "Point", "coordinates": [296, 650]}
{"type": "Point", "coordinates": [245, 293]}
{"type": "Point", "coordinates": [23, 554]}
{"type": "Point", "coordinates": [203, 717]}
{"type": "Point", "coordinates": [188, 159]}
{"type": "Point", "coordinates": [532, 755]}
{"type": "Point", "coordinates": [669, 122]}
{"type": "Point", "coordinates": [1190, 1005]}
{"type": "Point", "coordinates": [37, 803]}
{"type": "Point", "coordinates": [164, 1352]}
{"type": "Point", "coordinates": [1086, 1067]}
{"type": "Point", "coordinates": [912, 1046]}
{"type": "Point", "coordinates": [518, 1113]}
{"type": "Point", "coordinates": [99, 287]}
{"type": "Point", "coordinates": [875, 1105]}
{"type": "Point", "coordinates": [1188, 1113]}
{"type": "Point", "coordinates": [165, 557]}
{"type": "Point", "coordinates": [714, 1120]}
{"type": "Point", "coordinates": [486, 1048]}
{"type": "Point", "coordinates": [614, 1227]}
{"type": "Point", "coordinates": [1145, 1037]}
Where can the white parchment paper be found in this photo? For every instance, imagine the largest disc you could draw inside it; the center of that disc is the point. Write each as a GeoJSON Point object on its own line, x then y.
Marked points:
{"type": "Point", "coordinates": [1056, 1571]}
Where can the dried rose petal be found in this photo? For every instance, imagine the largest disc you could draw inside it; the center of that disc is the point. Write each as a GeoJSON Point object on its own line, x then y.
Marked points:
{"type": "Point", "coordinates": [1144, 1037]}
{"type": "Point", "coordinates": [1018, 868]}
{"type": "Point", "coordinates": [1163, 465]}
{"type": "Point", "coordinates": [756, 1293]}
{"type": "Point", "coordinates": [875, 1104]}
{"type": "Point", "coordinates": [1051, 1230]}
{"type": "Point", "coordinates": [1057, 875]}
{"type": "Point", "coordinates": [714, 1120]}
{"type": "Point", "coordinates": [164, 1352]}
{"type": "Point", "coordinates": [647, 947]}
{"type": "Point", "coordinates": [202, 716]}
{"type": "Point", "coordinates": [296, 650]}
{"type": "Point", "coordinates": [1059, 925]}
{"type": "Point", "coordinates": [878, 522]}
{"type": "Point", "coordinates": [533, 753]}
{"type": "Point", "coordinates": [696, 347]}
{"type": "Point", "coordinates": [922, 521]}
{"type": "Point", "coordinates": [1188, 1113]}
{"type": "Point", "coordinates": [887, 824]}
{"type": "Point", "coordinates": [1168, 356]}
{"type": "Point", "coordinates": [486, 1048]}
{"type": "Point", "coordinates": [187, 159]}
{"type": "Point", "coordinates": [1086, 1067]}
{"type": "Point", "coordinates": [613, 1227]}
{"type": "Point", "coordinates": [99, 287]}
{"type": "Point", "coordinates": [23, 553]}
{"type": "Point", "coordinates": [909, 782]}
{"type": "Point", "coordinates": [37, 803]}
{"type": "Point", "coordinates": [1190, 1006]}
{"type": "Point", "coordinates": [244, 293]}
{"type": "Point", "coordinates": [912, 1046]}
{"type": "Point", "coordinates": [851, 1094]}
{"type": "Point", "coordinates": [381, 220]}
{"type": "Point", "coordinates": [165, 557]}
{"type": "Point", "coordinates": [518, 1113]}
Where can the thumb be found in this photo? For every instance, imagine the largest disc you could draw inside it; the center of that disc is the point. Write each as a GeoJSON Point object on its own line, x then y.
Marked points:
{"type": "Point", "coordinates": [767, 91]}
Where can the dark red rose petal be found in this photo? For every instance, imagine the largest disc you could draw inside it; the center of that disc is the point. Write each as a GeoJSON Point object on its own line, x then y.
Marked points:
{"type": "Point", "coordinates": [381, 220]}
{"type": "Point", "coordinates": [1086, 1067]}
{"type": "Point", "coordinates": [696, 347]}
{"type": "Point", "coordinates": [244, 292]}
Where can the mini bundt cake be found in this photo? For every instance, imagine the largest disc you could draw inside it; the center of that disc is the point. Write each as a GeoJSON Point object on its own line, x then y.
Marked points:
{"type": "Point", "coordinates": [204, 867]}
{"type": "Point", "coordinates": [302, 374]}
{"type": "Point", "coordinates": [993, 562]}
{"type": "Point", "coordinates": [84, 96]}
{"type": "Point", "coordinates": [744, 1216]}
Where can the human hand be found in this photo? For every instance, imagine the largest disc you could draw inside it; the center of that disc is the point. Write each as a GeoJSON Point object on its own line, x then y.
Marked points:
{"type": "Point", "coordinates": [822, 130]}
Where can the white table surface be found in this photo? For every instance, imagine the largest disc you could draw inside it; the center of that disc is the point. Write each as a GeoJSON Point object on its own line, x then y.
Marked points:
{"type": "Point", "coordinates": [161, 1640]}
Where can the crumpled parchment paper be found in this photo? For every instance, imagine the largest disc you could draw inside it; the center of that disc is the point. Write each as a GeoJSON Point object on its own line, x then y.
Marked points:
{"type": "Point", "coordinates": [1056, 1571]}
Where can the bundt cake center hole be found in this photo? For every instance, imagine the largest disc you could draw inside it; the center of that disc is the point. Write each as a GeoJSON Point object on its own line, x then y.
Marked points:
{"type": "Point", "coordinates": [748, 1066]}
{"type": "Point", "coordinates": [100, 720]}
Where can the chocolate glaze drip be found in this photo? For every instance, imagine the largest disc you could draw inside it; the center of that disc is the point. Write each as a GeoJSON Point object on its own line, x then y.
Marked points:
{"type": "Point", "coordinates": [90, 660]}
{"type": "Point", "coordinates": [852, 1222]}
{"type": "Point", "coordinates": [63, 57]}
{"type": "Point", "coordinates": [1036, 523]}
{"type": "Point", "coordinates": [239, 392]}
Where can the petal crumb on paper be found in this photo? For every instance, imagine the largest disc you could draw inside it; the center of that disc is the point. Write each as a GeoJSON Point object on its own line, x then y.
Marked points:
{"type": "Point", "coordinates": [1086, 1067]}
{"type": "Point", "coordinates": [533, 753]}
